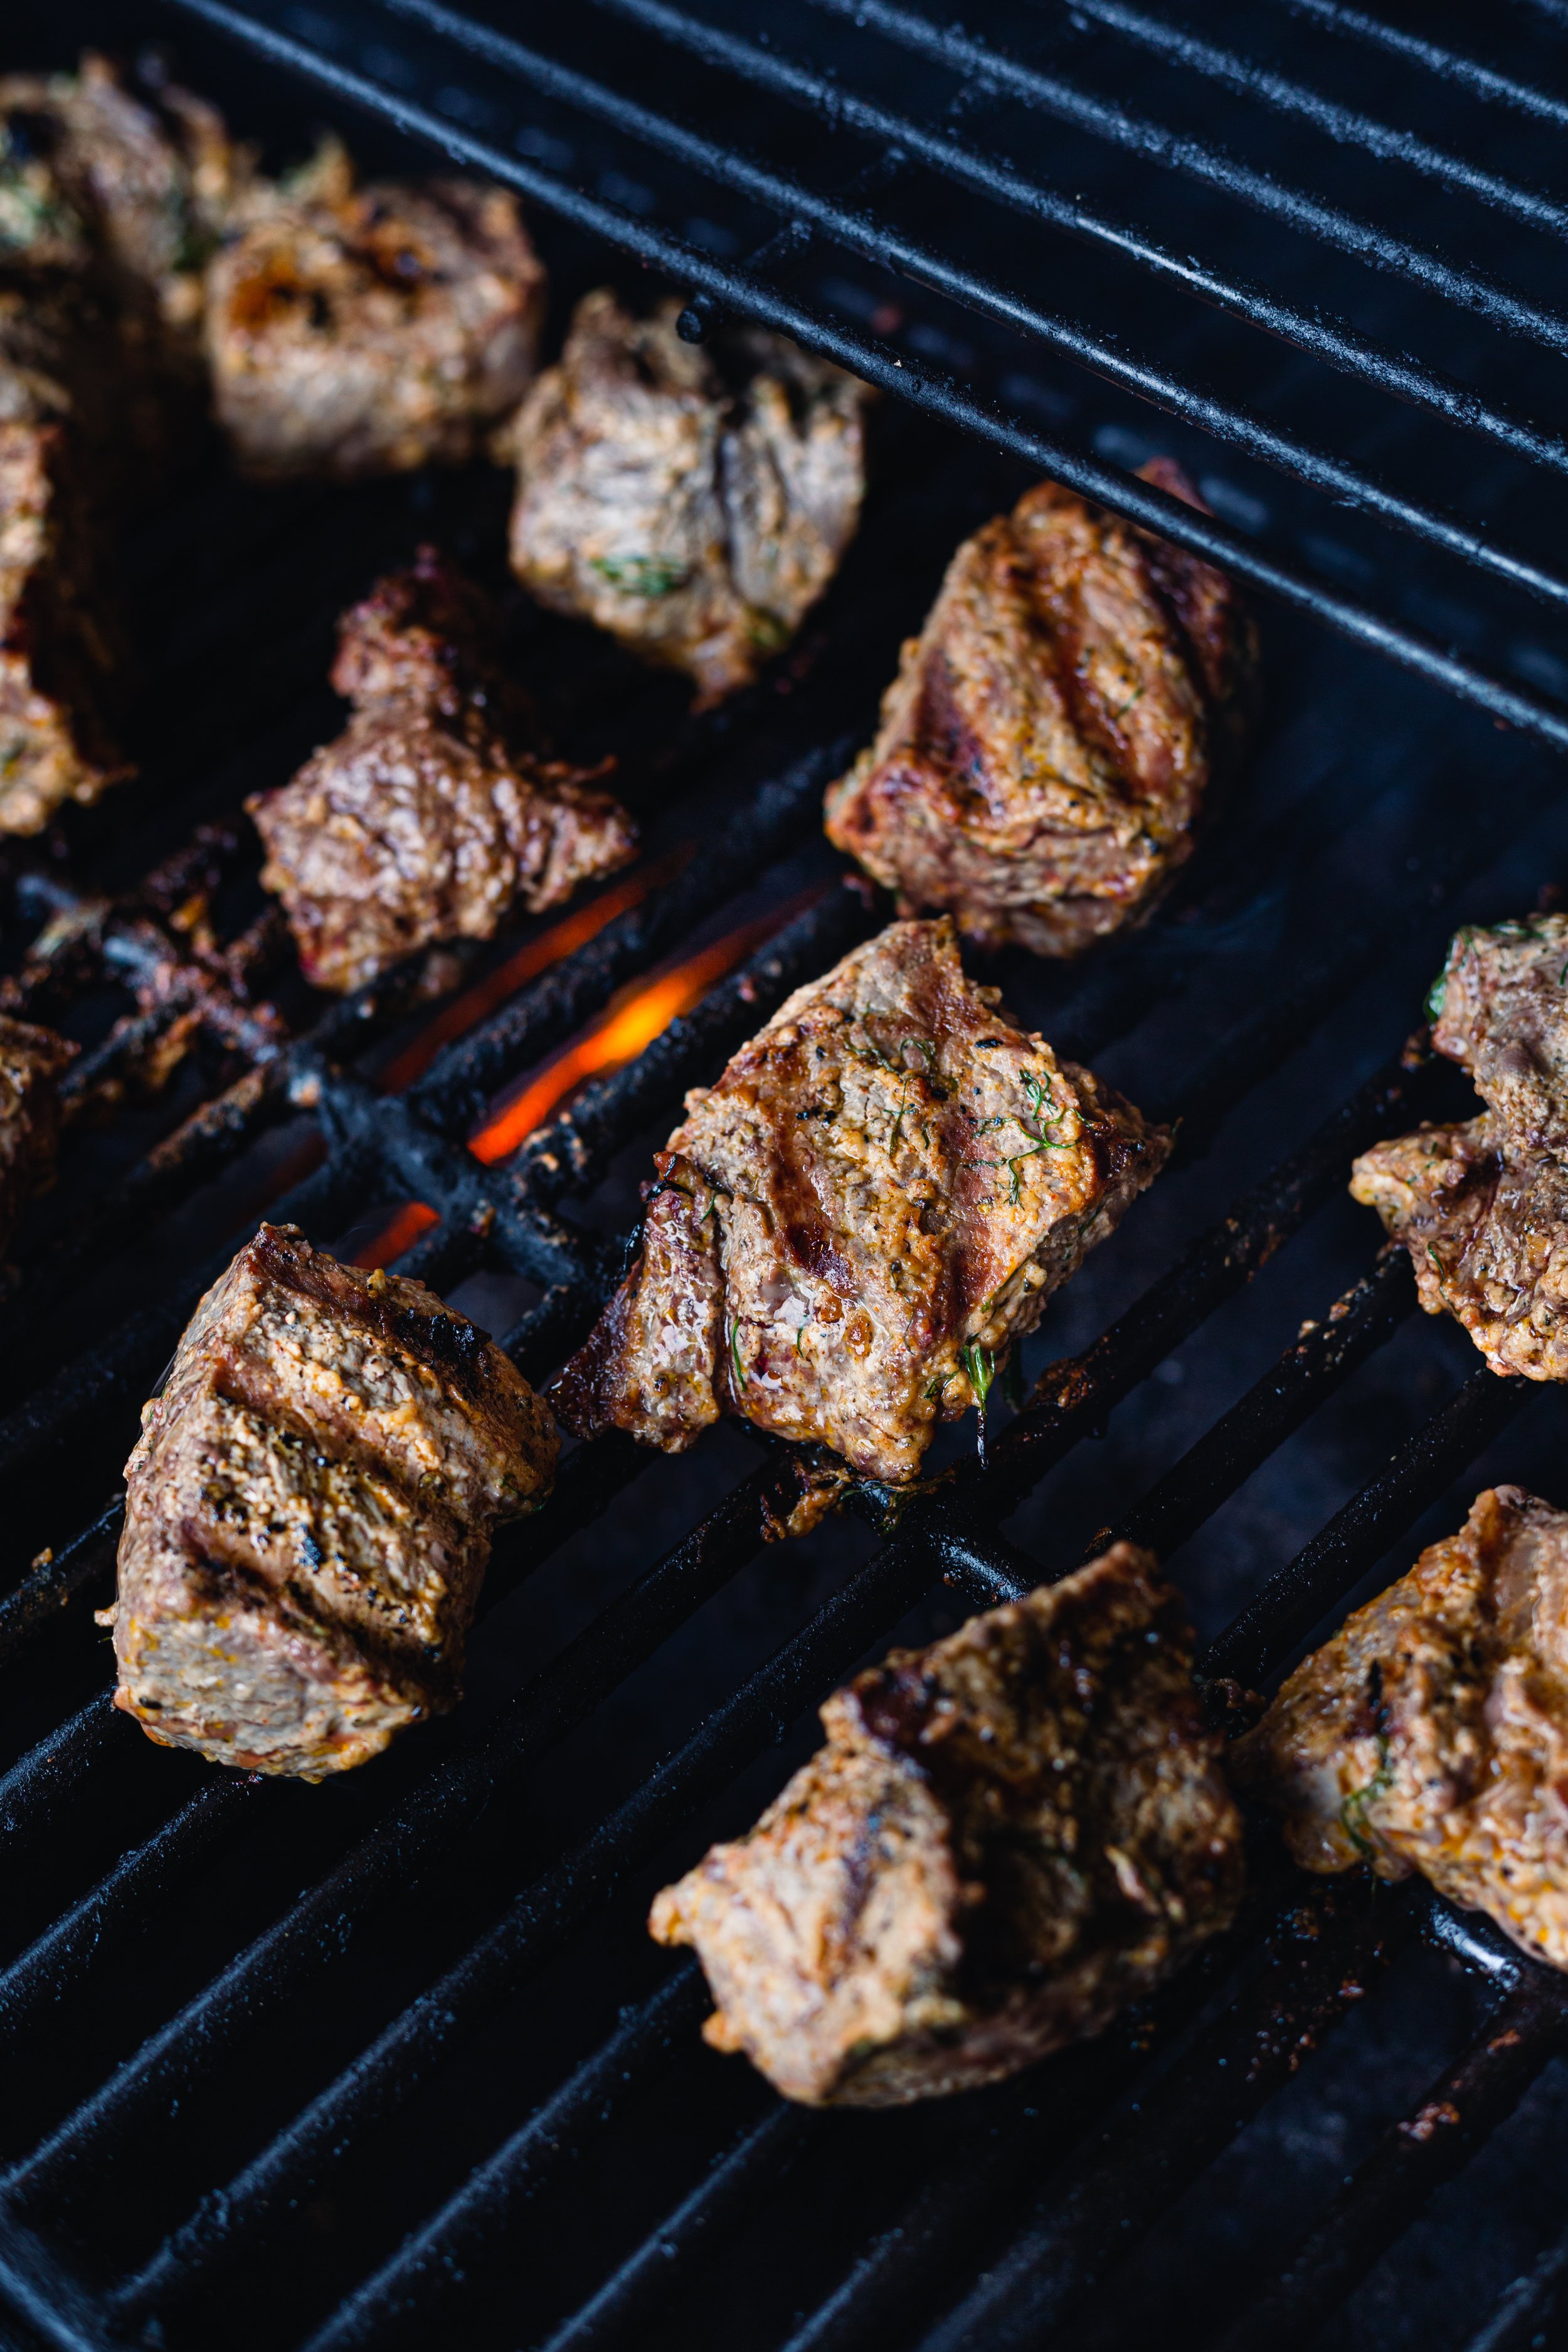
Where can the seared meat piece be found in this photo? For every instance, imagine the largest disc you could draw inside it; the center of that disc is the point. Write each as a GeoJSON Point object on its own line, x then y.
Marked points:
{"type": "Point", "coordinates": [104, 209]}
{"type": "Point", "coordinates": [1049, 743]}
{"type": "Point", "coordinates": [1482, 1207]}
{"type": "Point", "coordinates": [429, 818]}
{"type": "Point", "coordinates": [1486, 1225]}
{"type": "Point", "coordinates": [849, 1230]}
{"type": "Point", "coordinates": [308, 1512]}
{"type": "Point", "coordinates": [1431, 1734]}
{"type": "Point", "coordinates": [1006, 1838]}
{"type": "Point", "coordinates": [1499, 1009]}
{"type": "Point", "coordinates": [58, 655]}
{"type": "Point", "coordinates": [694, 505]}
{"type": "Point", "coordinates": [367, 330]}
{"type": "Point", "coordinates": [30, 1061]}
{"type": "Point", "coordinates": [87, 173]}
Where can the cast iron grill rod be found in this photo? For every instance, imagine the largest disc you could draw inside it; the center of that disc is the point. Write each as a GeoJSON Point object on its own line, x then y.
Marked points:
{"type": "Point", "coordinates": [926, 389]}
{"type": "Point", "coordinates": [1340, 124]}
{"type": "Point", "coordinates": [1461, 2109]}
{"type": "Point", "coordinates": [1240, 428]}
{"type": "Point", "coordinates": [1448, 64]}
{"type": "Point", "coordinates": [1329, 339]}
{"type": "Point", "coordinates": [1210, 166]}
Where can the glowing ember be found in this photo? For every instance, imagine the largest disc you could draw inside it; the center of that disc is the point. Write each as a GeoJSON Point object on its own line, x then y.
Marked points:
{"type": "Point", "coordinates": [400, 1232]}
{"type": "Point", "coordinates": [629, 1024]}
{"type": "Point", "coordinates": [562, 938]}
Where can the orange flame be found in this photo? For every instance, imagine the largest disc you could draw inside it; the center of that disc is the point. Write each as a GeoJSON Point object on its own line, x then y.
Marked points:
{"type": "Point", "coordinates": [400, 1232]}
{"type": "Point", "coordinates": [629, 1024]}
{"type": "Point", "coordinates": [562, 938]}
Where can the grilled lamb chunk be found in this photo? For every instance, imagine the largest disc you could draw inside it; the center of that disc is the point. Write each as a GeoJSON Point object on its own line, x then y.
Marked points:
{"type": "Point", "coordinates": [1486, 1225]}
{"type": "Point", "coordinates": [367, 330]}
{"type": "Point", "coordinates": [1482, 1206]}
{"type": "Point", "coordinates": [1007, 1837]}
{"type": "Point", "coordinates": [308, 1512]}
{"type": "Point", "coordinates": [1054, 733]}
{"type": "Point", "coordinates": [849, 1230]}
{"type": "Point", "coordinates": [1499, 1009]}
{"type": "Point", "coordinates": [58, 658]}
{"type": "Point", "coordinates": [1431, 1734]}
{"type": "Point", "coordinates": [31, 1060]}
{"type": "Point", "coordinates": [695, 506]}
{"type": "Point", "coordinates": [428, 818]}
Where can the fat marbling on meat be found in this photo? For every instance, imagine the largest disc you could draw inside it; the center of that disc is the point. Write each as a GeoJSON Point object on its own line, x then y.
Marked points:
{"type": "Point", "coordinates": [355, 331]}
{"type": "Point", "coordinates": [308, 1512]}
{"type": "Point", "coordinates": [1007, 1837]}
{"type": "Point", "coordinates": [1482, 1205]}
{"type": "Point", "coordinates": [694, 503]}
{"type": "Point", "coordinates": [1057, 730]}
{"type": "Point", "coordinates": [1431, 1734]}
{"type": "Point", "coordinates": [849, 1230]}
{"type": "Point", "coordinates": [432, 815]}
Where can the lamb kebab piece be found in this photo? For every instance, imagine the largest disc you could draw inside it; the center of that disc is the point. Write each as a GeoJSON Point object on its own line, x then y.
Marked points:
{"type": "Point", "coordinates": [848, 1232]}
{"type": "Point", "coordinates": [1006, 1838]}
{"type": "Point", "coordinates": [310, 1509]}
{"type": "Point", "coordinates": [358, 330]}
{"type": "Point", "coordinates": [1482, 1206]}
{"type": "Point", "coordinates": [432, 815]}
{"type": "Point", "coordinates": [694, 502]}
{"type": "Point", "coordinates": [31, 1061]}
{"type": "Point", "coordinates": [1057, 730]}
{"type": "Point", "coordinates": [97, 211]}
{"type": "Point", "coordinates": [1431, 1734]}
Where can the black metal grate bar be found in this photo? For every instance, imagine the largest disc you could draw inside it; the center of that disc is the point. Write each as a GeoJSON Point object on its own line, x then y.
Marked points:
{"type": "Point", "coordinates": [1242, 428]}
{"type": "Point", "coordinates": [1498, 89]}
{"type": "Point", "coordinates": [925, 388]}
{"type": "Point", "coordinates": [1052, 94]}
{"type": "Point", "coordinates": [1465, 2103]}
{"type": "Point", "coordinates": [1340, 124]}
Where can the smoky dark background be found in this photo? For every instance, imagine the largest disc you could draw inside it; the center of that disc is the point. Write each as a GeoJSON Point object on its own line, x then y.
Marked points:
{"type": "Point", "coordinates": [1373, 808]}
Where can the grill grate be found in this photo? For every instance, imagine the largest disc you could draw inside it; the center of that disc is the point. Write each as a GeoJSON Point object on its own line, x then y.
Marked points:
{"type": "Point", "coordinates": [1049, 2205]}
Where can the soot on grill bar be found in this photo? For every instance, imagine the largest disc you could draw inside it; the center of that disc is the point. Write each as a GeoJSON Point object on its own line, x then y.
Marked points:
{"type": "Point", "coordinates": [758, 767]}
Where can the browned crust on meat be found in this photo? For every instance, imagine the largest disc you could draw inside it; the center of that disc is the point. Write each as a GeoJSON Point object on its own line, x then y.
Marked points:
{"type": "Point", "coordinates": [890, 1175]}
{"type": "Point", "coordinates": [1431, 1734]}
{"type": "Point", "coordinates": [1007, 1836]}
{"type": "Point", "coordinates": [1056, 730]}
{"type": "Point", "coordinates": [308, 1512]}
{"type": "Point", "coordinates": [695, 507]}
{"type": "Point", "coordinates": [1482, 1206]}
{"type": "Point", "coordinates": [431, 816]}
{"type": "Point", "coordinates": [355, 331]}
{"type": "Point", "coordinates": [1487, 1230]}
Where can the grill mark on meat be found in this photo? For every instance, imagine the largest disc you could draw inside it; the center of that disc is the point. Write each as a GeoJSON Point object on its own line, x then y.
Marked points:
{"type": "Point", "coordinates": [1007, 1836]}
{"type": "Point", "coordinates": [309, 1512]}
{"type": "Point", "coordinates": [448, 1343]}
{"type": "Point", "coordinates": [874, 1227]}
{"type": "Point", "coordinates": [1057, 731]}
